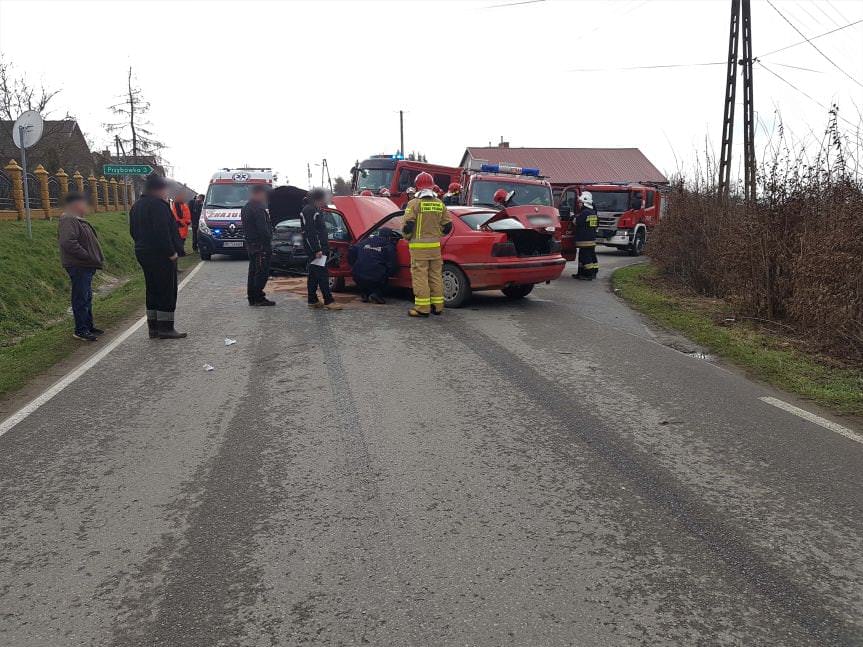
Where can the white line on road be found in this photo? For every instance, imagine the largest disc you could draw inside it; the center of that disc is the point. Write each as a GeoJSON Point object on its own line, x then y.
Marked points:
{"type": "Point", "coordinates": [67, 379]}
{"type": "Point", "coordinates": [811, 417]}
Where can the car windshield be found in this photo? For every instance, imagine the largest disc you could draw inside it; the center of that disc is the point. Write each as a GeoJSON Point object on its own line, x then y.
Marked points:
{"type": "Point", "coordinates": [227, 196]}
{"type": "Point", "coordinates": [610, 200]}
{"type": "Point", "coordinates": [482, 192]}
{"type": "Point", "coordinates": [292, 223]}
{"type": "Point", "coordinates": [375, 178]}
{"type": "Point", "coordinates": [476, 219]}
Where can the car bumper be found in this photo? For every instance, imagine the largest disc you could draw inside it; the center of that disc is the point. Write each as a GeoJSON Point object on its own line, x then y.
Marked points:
{"type": "Point", "coordinates": [499, 274]}
{"type": "Point", "coordinates": [288, 258]}
{"type": "Point", "coordinates": [232, 246]}
{"type": "Point", "coordinates": [619, 238]}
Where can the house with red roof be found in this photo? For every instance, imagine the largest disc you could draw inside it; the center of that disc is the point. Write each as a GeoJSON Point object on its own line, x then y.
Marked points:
{"type": "Point", "coordinates": [566, 166]}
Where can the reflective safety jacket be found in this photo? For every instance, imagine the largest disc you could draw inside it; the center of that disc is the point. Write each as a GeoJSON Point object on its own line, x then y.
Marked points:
{"type": "Point", "coordinates": [426, 221]}
{"type": "Point", "coordinates": [585, 227]}
{"type": "Point", "coordinates": [183, 217]}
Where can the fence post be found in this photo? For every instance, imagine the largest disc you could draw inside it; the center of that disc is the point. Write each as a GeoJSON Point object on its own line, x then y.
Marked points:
{"type": "Point", "coordinates": [42, 177]}
{"type": "Point", "coordinates": [115, 204]}
{"type": "Point", "coordinates": [94, 191]}
{"type": "Point", "coordinates": [14, 172]}
{"type": "Point", "coordinates": [79, 181]}
{"type": "Point", "coordinates": [104, 184]}
{"type": "Point", "coordinates": [63, 181]}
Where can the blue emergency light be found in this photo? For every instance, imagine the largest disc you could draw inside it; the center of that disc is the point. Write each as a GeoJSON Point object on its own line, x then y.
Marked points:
{"type": "Point", "coordinates": [397, 156]}
{"type": "Point", "coordinates": [512, 170]}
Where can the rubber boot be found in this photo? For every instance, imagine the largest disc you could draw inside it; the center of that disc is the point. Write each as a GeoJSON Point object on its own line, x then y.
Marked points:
{"type": "Point", "coordinates": [413, 312]}
{"type": "Point", "coordinates": [166, 331]}
{"type": "Point", "coordinates": [153, 328]}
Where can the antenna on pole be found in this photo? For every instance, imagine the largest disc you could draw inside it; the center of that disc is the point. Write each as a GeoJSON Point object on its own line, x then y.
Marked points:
{"type": "Point", "coordinates": [748, 101]}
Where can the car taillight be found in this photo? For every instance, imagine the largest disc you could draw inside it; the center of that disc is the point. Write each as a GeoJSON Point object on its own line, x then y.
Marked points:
{"type": "Point", "coordinates": [503, 249]}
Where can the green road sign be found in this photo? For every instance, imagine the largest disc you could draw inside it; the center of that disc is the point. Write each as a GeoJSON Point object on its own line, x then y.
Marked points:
{"type": "Point", "coordinates": [126, 169]}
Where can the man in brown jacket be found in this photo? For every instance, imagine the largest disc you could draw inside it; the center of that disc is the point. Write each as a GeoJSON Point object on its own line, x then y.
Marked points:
{"type": "Point", "coordinates": [81, 256]}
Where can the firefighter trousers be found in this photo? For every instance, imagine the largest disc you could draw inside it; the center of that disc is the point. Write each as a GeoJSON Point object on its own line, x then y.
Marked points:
{"type": "Point", "coordinates": [588, 265]}
{"type": "Point", "coordinates": [427, 280]}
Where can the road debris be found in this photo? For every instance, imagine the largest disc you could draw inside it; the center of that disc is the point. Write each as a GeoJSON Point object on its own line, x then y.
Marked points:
{"type": "Point", "coordinates": [229, 341]}
{"type": "Point", "coordinates": [209, 367]}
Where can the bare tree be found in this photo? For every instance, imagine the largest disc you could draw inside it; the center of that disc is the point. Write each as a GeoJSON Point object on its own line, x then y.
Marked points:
{"type": "Point", "coordinates": [17, 96]}
{"type": "Point", "coordinates": [132, 129]}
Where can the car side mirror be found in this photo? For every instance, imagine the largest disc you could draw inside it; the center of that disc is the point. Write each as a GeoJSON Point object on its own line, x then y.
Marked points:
{"type": "Point", "coordinates": [565, 212]}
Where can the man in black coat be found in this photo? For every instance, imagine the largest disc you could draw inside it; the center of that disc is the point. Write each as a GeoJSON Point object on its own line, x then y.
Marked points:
{"type": "Point", "coordinates": [258, 233]}
{"type": "Point", "coordinates": [157, 246]}
{"type": "Point", "coordinates": [196, 205]}
{"type": "Point", "coordinates": [373, 262]}
{"type": "Point", "coordinates": [317, 245]}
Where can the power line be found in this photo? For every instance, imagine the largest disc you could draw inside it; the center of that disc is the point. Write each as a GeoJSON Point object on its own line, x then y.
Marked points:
{"type": "Point", "coordinates": [770, 2]}
{"type": "Point", "coordinates": [642, 67]}
{"type": "Point", "coordinates": [512, 4]}
{"type": "Point", "coordinates": [809, 40]}
{"type": "Point", "coordinates": [787, 82]}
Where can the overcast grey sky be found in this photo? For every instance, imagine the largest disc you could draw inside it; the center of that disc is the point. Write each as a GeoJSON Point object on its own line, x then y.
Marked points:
{"type": "Point", "coordinates": [281, 83]}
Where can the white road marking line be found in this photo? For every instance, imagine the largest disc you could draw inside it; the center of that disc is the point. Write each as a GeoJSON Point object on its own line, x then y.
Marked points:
{"type": "Point", "coordinates": [811, 417]}
{"type": "Point", "coordinates": [67, 379]}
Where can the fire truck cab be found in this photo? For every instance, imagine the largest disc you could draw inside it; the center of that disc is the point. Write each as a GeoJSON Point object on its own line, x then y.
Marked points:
{"type": "Point", "coordinates": [220, 230]}
{"type": "Point", "coordinates": [396, 174]}
{"type": "Point", "coordinates": [627, 213]}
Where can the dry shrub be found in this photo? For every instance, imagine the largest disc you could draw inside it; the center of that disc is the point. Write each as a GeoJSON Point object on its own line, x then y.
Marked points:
{"type": "Point", "coordinates": [794, 255]}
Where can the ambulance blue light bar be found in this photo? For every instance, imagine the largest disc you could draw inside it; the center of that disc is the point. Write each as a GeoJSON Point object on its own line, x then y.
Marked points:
{"type": "Point", "coordinates": [512, 170]}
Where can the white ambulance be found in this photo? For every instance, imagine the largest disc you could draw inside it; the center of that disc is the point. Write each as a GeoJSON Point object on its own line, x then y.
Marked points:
{"type": "Point", "coordinates": [220, 230]}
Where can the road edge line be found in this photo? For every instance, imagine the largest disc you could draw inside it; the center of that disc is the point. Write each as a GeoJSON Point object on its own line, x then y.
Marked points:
{"type": "Point", "coordinates": [811, 417]}
{"type": "Point", "coordinates": [73, 375]}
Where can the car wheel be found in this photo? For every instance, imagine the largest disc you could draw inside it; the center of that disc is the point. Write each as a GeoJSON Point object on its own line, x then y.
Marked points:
{"type": "Point", "coordinates": [205, 256]}
{"type": "Point", "coordinates": [637, 247]}
{"type": "Point", "coordinates": [337, 283]}
{"type": "Point", "coordinates": [456, 289]}
{"type": "Point", "coordinates": [518, 291]}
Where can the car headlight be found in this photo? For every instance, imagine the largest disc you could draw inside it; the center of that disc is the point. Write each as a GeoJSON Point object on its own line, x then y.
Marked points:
{"type": "Point", "coordinates": [204, 227]}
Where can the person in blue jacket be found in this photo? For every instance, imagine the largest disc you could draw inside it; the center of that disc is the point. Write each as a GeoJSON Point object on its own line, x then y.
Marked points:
{"type": "Point", "coordinates": [373, 262]}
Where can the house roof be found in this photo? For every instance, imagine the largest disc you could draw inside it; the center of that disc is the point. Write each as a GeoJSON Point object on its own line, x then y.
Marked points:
{"type": "Point", "coordinates": [574, 165]}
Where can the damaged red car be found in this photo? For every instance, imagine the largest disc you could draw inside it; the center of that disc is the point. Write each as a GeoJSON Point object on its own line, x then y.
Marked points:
{"type": "Point", "coordinates": [509, 249]}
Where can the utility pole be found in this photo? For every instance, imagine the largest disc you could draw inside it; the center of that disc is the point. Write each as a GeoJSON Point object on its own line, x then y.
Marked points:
{"type": "Point", "coordinates": [730, 98]}
{"type": "Point", "coordinates": [748, 106]}
{"type": "Point", "coordinates": [402, 132]}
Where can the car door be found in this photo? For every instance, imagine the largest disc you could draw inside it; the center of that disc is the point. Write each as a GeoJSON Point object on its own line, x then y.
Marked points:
{"type": "Point", "coordinates": [568, 202]}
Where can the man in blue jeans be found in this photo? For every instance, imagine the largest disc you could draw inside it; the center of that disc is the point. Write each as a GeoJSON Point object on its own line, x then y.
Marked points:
{"type": "Point", "coordinates": [81, 256]}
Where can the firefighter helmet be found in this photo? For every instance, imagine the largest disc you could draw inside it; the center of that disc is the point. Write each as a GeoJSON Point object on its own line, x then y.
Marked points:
{"type": "Point", "coordinates": [586, 198]}
{"type": "Point", "coordinates": [424, 181]}
{"type": "Point", "coordinates": [366, 192]}
{"type": "Point", "coordinates": [454, 187]}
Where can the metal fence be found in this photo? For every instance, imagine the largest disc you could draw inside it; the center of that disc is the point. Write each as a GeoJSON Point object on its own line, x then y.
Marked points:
{"type": "Point", "coordinates": [7, 203]}
{"type": "Point", "coordinates": [88, 190]}
{"type": "Point", "coordinates": [54, 191]}
{"type": "Point", "coordinates": [33, 188]}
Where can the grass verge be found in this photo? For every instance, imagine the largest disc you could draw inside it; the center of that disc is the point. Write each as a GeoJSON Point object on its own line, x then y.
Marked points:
{"type": "Point", "coordinates": [774, 357]}
{"type": "Point", "coordinates": [35, 328]}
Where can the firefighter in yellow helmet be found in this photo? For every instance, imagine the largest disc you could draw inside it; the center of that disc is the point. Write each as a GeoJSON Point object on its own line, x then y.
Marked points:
{"type": "Point", "coordinates": [426, 221]}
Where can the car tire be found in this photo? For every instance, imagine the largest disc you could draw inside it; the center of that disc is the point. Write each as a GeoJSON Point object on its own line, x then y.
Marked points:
{"type": "Point", "coordinates": [205, 256]}
{"type": "Point", "coordinates": [456, 288]}
{"type": "Point", "coordinates": [517, 291]}
{"type": "Point", "coordinates": [337, 283]}
{"type": "Point", "coordinates": [637, 247]}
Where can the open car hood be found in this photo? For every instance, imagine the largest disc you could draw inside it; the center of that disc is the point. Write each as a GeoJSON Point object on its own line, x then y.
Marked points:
{"type": "Point", "coordinates": [286, 202]}
{"type": "Point", "coordinates": [538, 217]}
{"type": "Point", "coordinates": [364, 214]}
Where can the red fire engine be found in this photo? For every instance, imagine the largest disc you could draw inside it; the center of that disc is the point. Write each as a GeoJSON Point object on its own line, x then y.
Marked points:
{"type": "Point", "coordinates": [627, 213]}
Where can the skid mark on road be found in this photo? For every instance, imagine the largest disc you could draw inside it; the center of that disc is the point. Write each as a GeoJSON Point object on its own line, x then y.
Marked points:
{"type": "Point", "coordinates": [664, 491]}
{"type": "Point", "coordinates": [204, 582]}
{"type": "Point", "coordinates": [377, 535]}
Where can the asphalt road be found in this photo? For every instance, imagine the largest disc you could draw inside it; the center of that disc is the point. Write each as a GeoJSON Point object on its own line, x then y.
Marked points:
{"type": "Point", "coordinates": [542, 472]}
